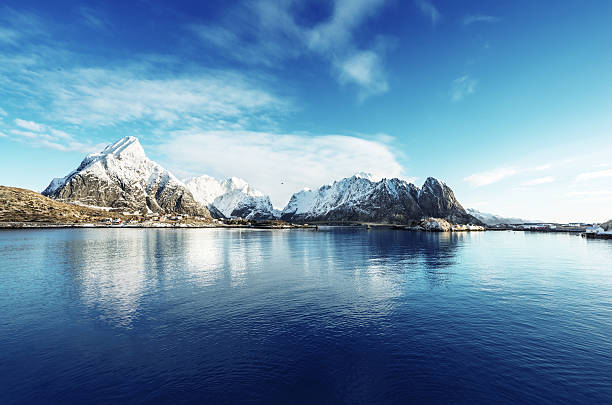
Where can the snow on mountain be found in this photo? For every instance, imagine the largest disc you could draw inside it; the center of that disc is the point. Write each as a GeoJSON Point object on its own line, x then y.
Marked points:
{"type": "Point", "coordinates": [362, 198]}
{"type": "Point", "coordinates": [492, 219]}
{"type": "Point", "coordinates": [232, 197]}
{"type": "Point", "coordinates": [121, 176]}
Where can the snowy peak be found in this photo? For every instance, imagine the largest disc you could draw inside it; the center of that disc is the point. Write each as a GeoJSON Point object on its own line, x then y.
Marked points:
{"type": "Point", "coordinates": [232, 197]}
{"type": "Point", "coordinates": [492, 219]}
{"type": "Point", "coordinates": [238, 184]}
{"type": "Point", "coordinates": [205, 188]}
{"type": "Point", "coordinates": [367, 176]}
{"type": "Point", "coordinates": [121, 176]}
{"type": "Point", "coordinates": [360, 199]}
{"type": "Point", "coordinates": [128, 147]}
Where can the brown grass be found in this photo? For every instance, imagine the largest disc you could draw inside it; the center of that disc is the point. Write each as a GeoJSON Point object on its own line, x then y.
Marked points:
{"type": "Point", "coordinates": [22, 205]}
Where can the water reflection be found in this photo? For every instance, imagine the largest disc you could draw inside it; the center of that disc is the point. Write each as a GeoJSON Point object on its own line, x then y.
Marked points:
{"type": "Point", "coordinates": [372, 316]}
{"type": "Point", "coordinates": [110, 273]}
{"type": "Point", "coordinates": [114, 269]}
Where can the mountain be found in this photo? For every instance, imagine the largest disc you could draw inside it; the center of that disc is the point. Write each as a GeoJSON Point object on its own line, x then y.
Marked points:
{"type": "Point", "coordinates": [121, 176]}
{"type": "Point", "coordinates": [232, 197]}
{"type": "Point", "coordinates": [607, 225]}
{"type": "Point", "coordinates": [491, 219]}
{"type": "Point", "coordinates": [21, 205]}
{"type": "Point", "coordinates": [361, 198]}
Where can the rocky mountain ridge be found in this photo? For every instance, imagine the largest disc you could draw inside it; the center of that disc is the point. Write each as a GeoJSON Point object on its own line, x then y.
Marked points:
{"type": "Point", "coordinates": [122, 177]}
{"type": "Point", "coordinates": [361, 198]}
{"type": "Point", "coordinates": [492, 219]}
{"type": "Point", "coordinates": [232, 197]}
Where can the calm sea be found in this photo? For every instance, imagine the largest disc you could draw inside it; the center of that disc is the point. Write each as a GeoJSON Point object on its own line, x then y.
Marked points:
{"type": "Point", "coordinates": [337, 316]}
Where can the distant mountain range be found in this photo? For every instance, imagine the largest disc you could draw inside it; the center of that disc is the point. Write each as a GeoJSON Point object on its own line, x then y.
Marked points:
{"type": "Point", "coordinates": [231, 197]}
{"type": "Point", "coordinates": [362, 199]}
{"type": "Point", "coordinates": [122, 177]}
{"type": "Point", "coordinates": [492, 219]}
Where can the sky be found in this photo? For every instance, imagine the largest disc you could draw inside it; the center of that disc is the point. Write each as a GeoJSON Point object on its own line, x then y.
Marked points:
{"type": "Point", "coordinates": [508, 102]}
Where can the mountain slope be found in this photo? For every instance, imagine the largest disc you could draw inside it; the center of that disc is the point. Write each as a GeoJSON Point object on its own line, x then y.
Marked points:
{"type": "Point", "coordinates": [362, 199]}
{"type": "Point", "coordinates": [121, 176]}
{"type": "Point", "coordinates": [21, 205]}
{"type": "Point", "coordinates": [232, 197]}
{"type": "Point", "coordinates": [492, 219]}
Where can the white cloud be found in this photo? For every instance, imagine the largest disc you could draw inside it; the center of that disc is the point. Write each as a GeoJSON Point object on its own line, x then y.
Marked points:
{"type": "Point", "coordinates": [594, 175]}
{"type": "Point", "coordinates": [490, 177]}
{"type": "Point", "coordinates": [538, 181]}
{"type": "Point", "coordinates": [3, 113]}
{"type": "Point", "coordinates": [108, 97]}
{"type": "Point", "coordinates": [30, 125]}
{"type": "Point", "coordinates": [43, 136]}
{"type": "Point", "coordinates": [429, 10]}
{"type": "Point", "coordinates": [476, 18]}
{"type": "Point", "coordinates": [462, 87]}
{"type": "Point", "coordinates": [364, 69]}
{"type": "Point", "coordinates": [277, 164]}
{"type": "Point", "coordinates": [266, 33]}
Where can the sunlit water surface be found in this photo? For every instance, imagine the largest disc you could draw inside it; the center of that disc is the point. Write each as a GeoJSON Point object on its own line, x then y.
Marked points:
{"type": "Point", "coordinates": [336, 316]}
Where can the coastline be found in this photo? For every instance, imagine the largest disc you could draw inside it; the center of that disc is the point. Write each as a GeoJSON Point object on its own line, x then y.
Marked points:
{"type": "Point", "coordinates": [46, 225]}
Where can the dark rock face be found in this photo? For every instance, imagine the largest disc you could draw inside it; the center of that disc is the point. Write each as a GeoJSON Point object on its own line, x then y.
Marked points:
{"type": "Point", "coordinates": [122, 177]}
{"type": "Point", "coordinates": [91, 190]}
{"type": "Point", "coordinates": [392, 201]}
{"type": "Point", "coordinates": [438, 200]}
{"type": "Point", "coordinates": [214, 212]}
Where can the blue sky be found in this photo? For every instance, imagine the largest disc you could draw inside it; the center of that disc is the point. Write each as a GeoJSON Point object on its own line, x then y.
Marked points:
{"type": "Point", "coordinates": [507, 102]}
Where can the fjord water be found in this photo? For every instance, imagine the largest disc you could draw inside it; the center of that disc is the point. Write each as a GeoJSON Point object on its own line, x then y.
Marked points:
{"type": "Point", "coordinates": [343, 315]}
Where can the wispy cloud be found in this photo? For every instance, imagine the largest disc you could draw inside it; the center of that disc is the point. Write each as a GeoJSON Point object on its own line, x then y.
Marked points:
{"type": "Point", "coordinates": [538, 181]}
{"type": "Point", "coordinates": [279, 164]}
{"type": "Point", "coordinates": [93, 17]}
{"type": "Point", "coordinates": [479, 18]}
{"type": "Point", "coordinates": [594, 175]}
{"type": "Point", "coordinates": [138, 91]}
{"type": "Point", "coordinates": [461, 87]}
{"type": "Point", "coordinates": [490, 177]}
{"type": "Point", "coordinates": [429, 10]}
{"type": "Point", "coordinates": [8, 36]}
{"type": "Point", "coordinates": [43, 136]}
{"type": "Point", "coordinates": [30, 125]}
{"type": "Point", "coordinates": [364, 68]}
{"type": "Point", "coordinates": [266, 33]}
{"type": "Point", "coordinates": [105, 97]}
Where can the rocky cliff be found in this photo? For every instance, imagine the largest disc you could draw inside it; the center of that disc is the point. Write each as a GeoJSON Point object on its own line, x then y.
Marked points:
{"type": "Point", "coordinates": [232, 197]}
{"type": "Point", "coordinates": [121, 176]}
{"type": "Point", "coordinates": [363, 199]}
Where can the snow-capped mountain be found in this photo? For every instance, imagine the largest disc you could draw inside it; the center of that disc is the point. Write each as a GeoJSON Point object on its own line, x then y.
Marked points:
{"type": "Point", "coordinates": [361, 198]}
{"type": "Point", "coordinates": [121, 176]}
{"type": "Point", "coordinates": [492, 219]}
{"type": "Point", "coordinates": [232, 197]}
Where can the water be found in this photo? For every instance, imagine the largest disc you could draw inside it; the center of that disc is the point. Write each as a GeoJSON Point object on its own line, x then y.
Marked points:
{"type": "Point", "coordinates": [336, 316]}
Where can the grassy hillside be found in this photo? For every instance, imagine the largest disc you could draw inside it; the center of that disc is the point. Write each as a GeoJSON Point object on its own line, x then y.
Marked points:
{"type": "Point", "coordinates": [21, 205]}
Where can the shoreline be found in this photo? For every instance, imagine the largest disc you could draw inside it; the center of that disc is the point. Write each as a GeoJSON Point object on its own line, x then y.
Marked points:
{"type": "Point", "coordinates": [313, 227]}
{"type": "Point", "coordinates": [44, 225]}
